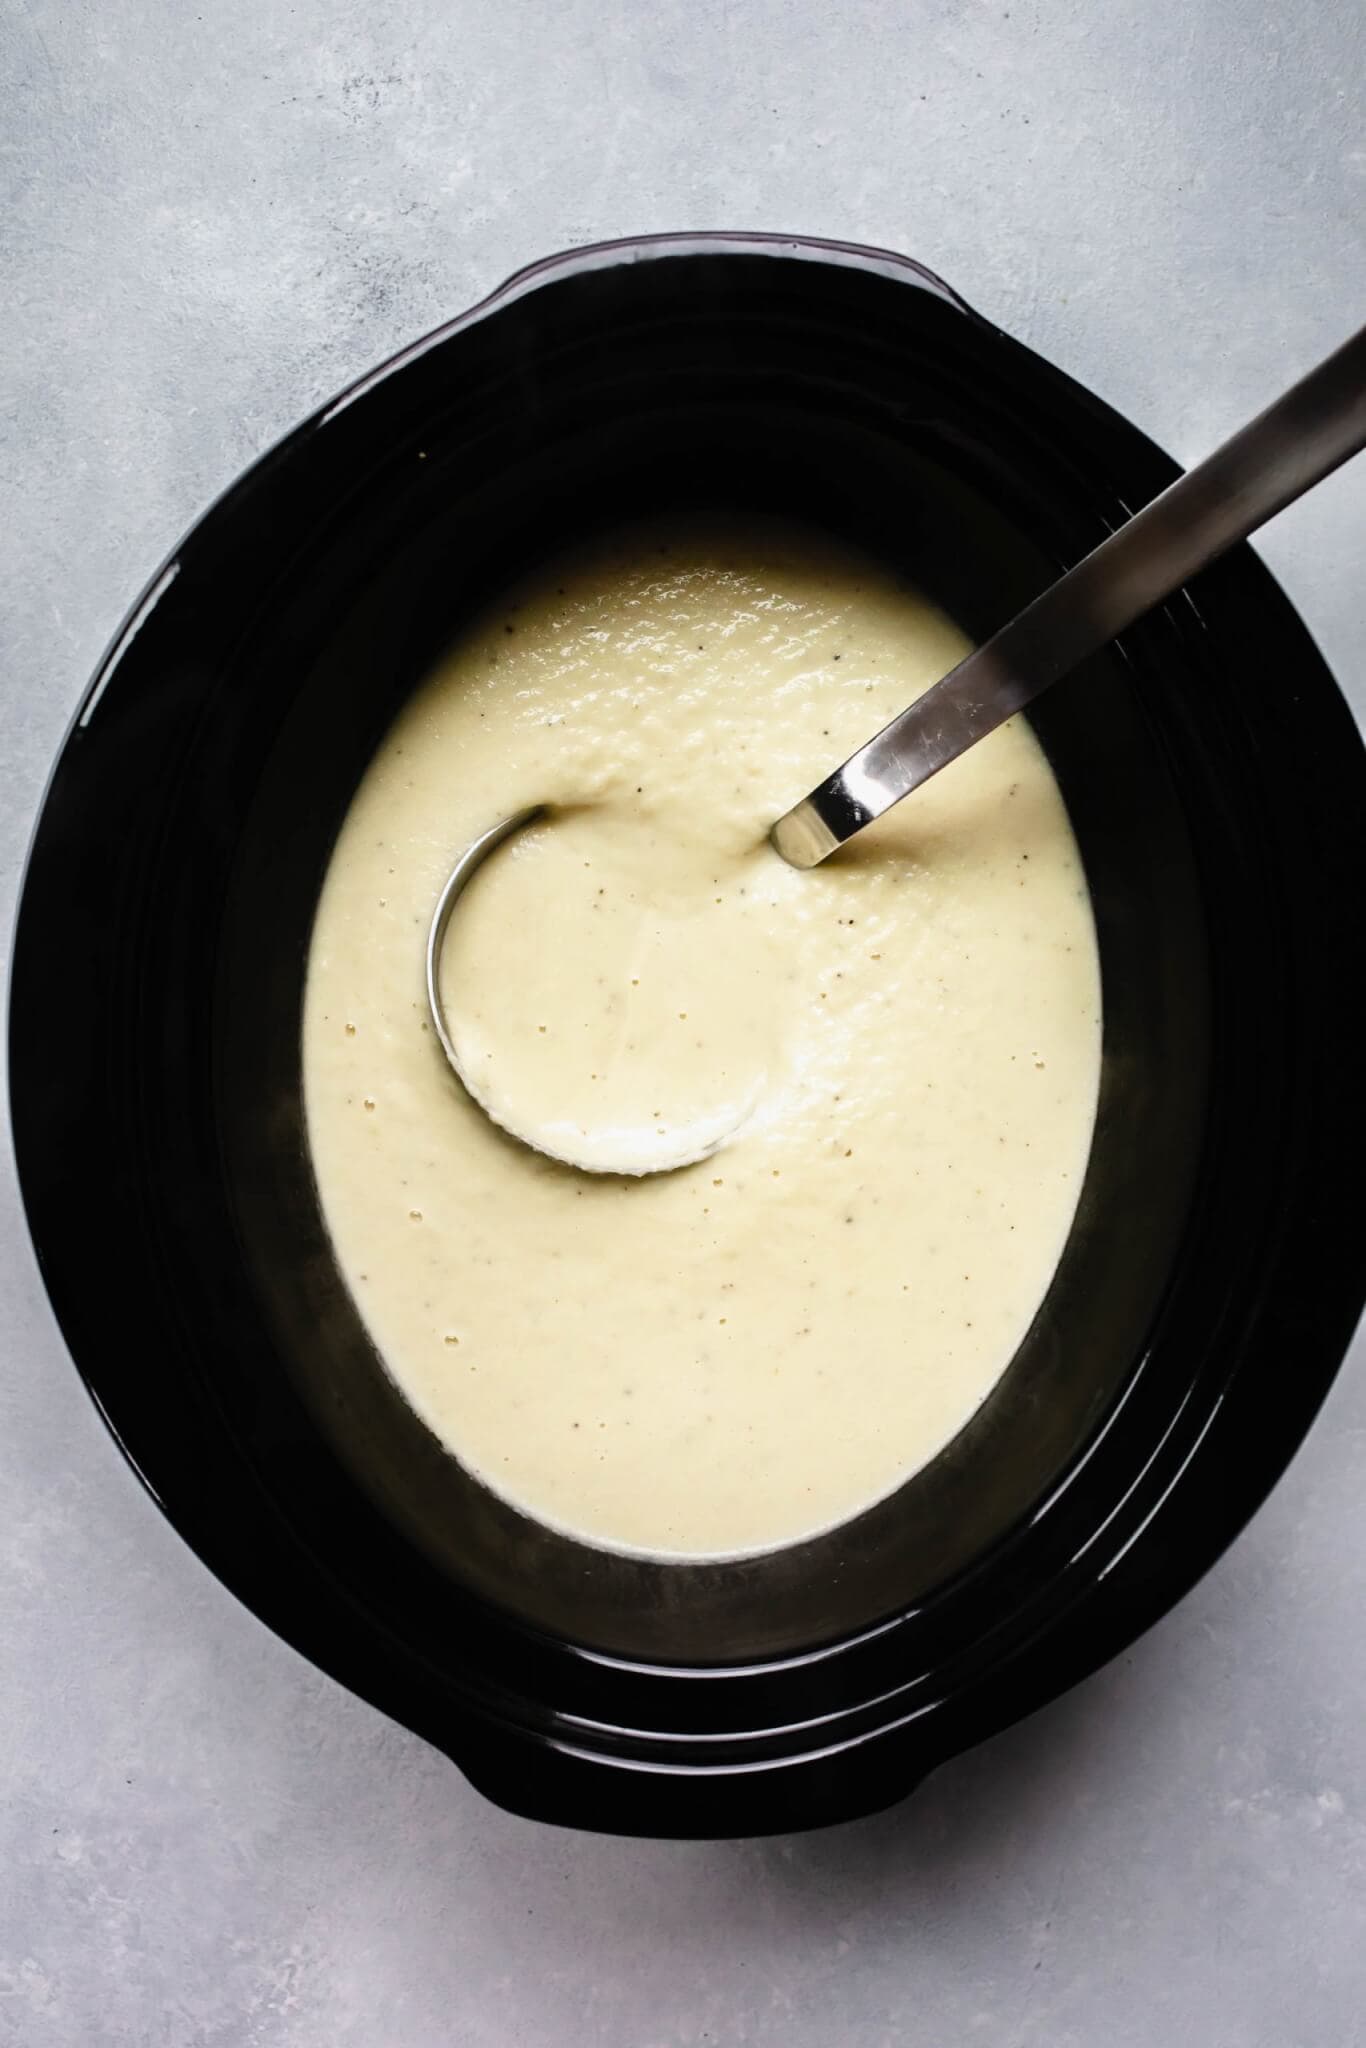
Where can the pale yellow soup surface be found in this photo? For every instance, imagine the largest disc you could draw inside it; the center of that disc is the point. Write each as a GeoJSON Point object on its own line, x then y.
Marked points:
{"type": "Point", "coordinates": [756, 1347]}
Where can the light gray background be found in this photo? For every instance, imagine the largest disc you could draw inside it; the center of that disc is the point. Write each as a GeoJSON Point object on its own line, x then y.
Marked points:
{"type": "Point", "coordinates": [212, 218]}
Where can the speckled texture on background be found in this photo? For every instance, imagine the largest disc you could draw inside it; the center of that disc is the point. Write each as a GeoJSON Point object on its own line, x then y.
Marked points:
{"type": "Point", "coordinates": [212, 218]}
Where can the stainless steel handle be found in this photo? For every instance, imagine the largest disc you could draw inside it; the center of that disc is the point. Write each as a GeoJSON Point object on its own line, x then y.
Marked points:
{"type": "Point", "coordinates": [1295, 443]}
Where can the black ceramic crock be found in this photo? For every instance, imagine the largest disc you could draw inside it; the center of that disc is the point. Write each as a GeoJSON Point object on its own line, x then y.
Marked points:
{"type": "Point", "coordinates": [1214, 1273]}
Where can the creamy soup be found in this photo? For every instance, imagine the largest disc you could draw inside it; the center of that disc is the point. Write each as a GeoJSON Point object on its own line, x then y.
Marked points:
{"type": "Point", "coordinates": [895, 1055]}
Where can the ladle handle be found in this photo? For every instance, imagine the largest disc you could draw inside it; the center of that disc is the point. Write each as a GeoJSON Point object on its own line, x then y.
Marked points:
{"type": "Point", "coordinates": [1294, 444]}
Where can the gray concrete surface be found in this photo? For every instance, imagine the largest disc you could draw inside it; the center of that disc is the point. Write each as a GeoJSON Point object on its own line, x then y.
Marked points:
{"type": "Point", "coordinates": [212, 217]}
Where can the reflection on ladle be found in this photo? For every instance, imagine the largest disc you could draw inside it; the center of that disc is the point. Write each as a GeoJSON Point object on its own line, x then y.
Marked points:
{"type": "Point", "coordinates": [1299, 440]}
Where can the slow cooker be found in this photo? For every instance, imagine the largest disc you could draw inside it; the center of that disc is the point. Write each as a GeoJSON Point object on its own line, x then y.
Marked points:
{"type": "Point", "coordinates": [1214, 1272]}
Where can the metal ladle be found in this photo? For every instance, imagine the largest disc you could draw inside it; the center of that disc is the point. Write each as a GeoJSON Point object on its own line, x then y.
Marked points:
{"type": "Point", "coordinates": [1309, 432]}
{"type": "Point", "coordinates": [647, 1150]}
